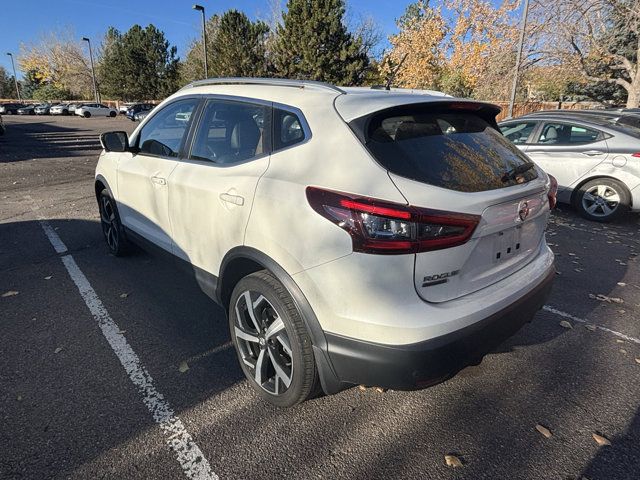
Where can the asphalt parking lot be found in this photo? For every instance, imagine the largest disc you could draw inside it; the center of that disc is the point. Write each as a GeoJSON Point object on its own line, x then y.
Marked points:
{"type": "Point", "coordinates": [129, 374]}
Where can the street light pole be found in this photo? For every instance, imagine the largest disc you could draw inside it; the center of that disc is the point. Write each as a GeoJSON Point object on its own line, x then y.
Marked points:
{"type": "Point", "coordinates": [514, 86]}
{"type": "Point", "coordinates": [15, 77]}
{"type": "Point", "coordinates": [200, 8]}
{"type": "Point", "coordinates": [93, 71]}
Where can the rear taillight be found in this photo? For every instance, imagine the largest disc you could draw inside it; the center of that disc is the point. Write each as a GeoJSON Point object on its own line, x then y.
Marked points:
{"type": "Point", "coordinates": [553, 192]}
{"type": "Point", "coordinates": [637, 154]}
{"type": "Point", "coordinates": [381, 227]}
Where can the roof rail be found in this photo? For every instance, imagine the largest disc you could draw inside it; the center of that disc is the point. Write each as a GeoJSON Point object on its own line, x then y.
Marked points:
{"type": "Point", "coordinates": [281, 82]}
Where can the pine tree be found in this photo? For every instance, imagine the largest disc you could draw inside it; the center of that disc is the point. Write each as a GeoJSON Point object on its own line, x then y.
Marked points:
{"type": "Point", "coordinates": [138, 64]}
{"type": "Point", "coordinates": [239, 47]}
{"type": "Point", "coordinates": [313, 43]}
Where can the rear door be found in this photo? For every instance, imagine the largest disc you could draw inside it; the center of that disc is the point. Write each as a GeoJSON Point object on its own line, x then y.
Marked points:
{"type": "Point", "coordinates": [143, 189]}
{"type": "Point", "coordinates": [568, 150]}
{"type": "Point", "coordinates": [211, 192]}
{"type": "Point", "coordinates": [457, 161]}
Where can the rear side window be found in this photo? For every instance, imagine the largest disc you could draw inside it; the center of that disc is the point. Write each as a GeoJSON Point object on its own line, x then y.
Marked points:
{"type": "Point", "coordinates": [162, 135]}
{"type": "Point", "coordinates": [566, 134]}
{"type": "Point", "coordinates": [287, 129]}
{"type": "Point", "coordinates": [454, 150]}
{"type": "Point", "coordinates": [231, 132]}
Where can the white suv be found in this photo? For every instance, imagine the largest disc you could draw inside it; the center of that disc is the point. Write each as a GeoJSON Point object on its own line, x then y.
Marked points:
{"type": "Point", "coordinates": [354, 236]}
{"type": "Point", "coordinates": [95, 109]}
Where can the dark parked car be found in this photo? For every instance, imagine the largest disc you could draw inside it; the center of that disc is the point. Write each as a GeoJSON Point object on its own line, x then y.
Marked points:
{"type": "Point", "coordinates": [10, 108]}
{"type": "Point", "coordinates": [27, 110]}
{"type": "Point", "coordinates": [137, 108]}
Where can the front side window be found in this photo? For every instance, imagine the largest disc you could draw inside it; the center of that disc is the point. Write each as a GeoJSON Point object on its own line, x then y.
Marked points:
{"type": "Point", "coordinates": [287, 129]}
{"type": "Point", "coordinates": [566, 134]}
{"type": "Point", "coordinates": [518, 133]}
{"type": "Point", "coordinates": [456, 150]}
{"type": "Point", "coordinates": [231, 132]}
{"type": "Point", "coordinates": [162, 135]}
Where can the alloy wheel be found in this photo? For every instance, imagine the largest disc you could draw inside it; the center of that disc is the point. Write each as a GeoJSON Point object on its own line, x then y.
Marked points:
{"type": "Point", "coordinates": [600, 200]}
{"type": "Point", "coordinates": [263, 343]}
{"type": "Point", "coordinates": [109, 222]}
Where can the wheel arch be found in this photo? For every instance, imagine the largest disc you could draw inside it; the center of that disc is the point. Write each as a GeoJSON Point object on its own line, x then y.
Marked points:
{"type": "Point", "coordinates": [577, 187]}
{"type": "Point", "coordinates": [242, 261]}
{"type": "Point", "coordinates": [101, 184]}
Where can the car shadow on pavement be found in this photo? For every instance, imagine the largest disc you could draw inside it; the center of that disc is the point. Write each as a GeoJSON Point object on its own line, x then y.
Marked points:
{"type": "Point", "coordinates": [55, 398]}
{"type": "Point", "coordinates": [45, 139]}
{"type": "Point", "coordinates": [168, 321]}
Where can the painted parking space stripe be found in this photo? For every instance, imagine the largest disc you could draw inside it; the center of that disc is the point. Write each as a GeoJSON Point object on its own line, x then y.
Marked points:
{"type": "Point", "coordinates": [560, 313]}
{"type": "Point", "coordinates": [190, 457]}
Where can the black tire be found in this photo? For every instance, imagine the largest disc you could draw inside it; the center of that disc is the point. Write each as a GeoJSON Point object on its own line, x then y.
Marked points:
{"type": "Point", "coordinates": [271, 301]}
{"type": "Point", "coordinates": [86, 114]}
{"type": "Point", "coordinates": [114, 235]}
{"type": "Point", "coordinates": [112, 114]}
{"type": "Point", "coordinates": [602, 200]}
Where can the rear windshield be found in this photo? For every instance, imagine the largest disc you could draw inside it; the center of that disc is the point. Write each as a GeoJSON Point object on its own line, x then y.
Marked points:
{"type": "Point", "coordinates": [454, 150]}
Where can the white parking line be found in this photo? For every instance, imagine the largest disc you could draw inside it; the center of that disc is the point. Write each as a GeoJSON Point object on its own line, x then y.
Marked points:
{"type": "Point", "coordinates": [560, 313]}
{"type": "Point", "coordinates": [189, 456]}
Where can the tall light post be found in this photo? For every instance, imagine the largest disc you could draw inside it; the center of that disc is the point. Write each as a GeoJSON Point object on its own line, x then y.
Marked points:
{"type": "Point", "coordinates": [523, 28]}
{"type": "Point", "coordinates": [15, 77]}
{"type": "Point", "coordinates": [200, 8]}
{"type": "Point", "coordinates": [93, 71]}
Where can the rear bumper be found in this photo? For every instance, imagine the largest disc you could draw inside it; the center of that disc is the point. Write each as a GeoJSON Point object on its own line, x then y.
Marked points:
{"type": "Point", "coordinates": [418, 365]}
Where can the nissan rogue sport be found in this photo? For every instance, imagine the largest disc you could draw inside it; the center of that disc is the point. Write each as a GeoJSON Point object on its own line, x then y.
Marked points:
{"type": "Point", "coordinates": [353, 235]}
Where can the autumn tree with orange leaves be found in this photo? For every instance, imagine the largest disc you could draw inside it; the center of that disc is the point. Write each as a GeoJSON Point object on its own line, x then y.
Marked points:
{"type": "Point", "coordinates": [451, 45]}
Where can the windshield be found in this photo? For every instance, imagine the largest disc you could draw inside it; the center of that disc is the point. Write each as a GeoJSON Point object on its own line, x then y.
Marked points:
{"type": "Point", "coordinates": [457, 150]}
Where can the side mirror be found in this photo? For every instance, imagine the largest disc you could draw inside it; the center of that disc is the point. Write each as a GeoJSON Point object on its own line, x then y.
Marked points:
{"type": "Point", "coordinates": [115, 141]}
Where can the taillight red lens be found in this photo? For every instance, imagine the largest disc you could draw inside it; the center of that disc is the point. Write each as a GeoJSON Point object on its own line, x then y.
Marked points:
{"type": "Point", "coordinates": [378, 226]}
{"type": "Point", "coordinates": [553, 192]}
{"type": "Point", "coordinates": [637, 154]}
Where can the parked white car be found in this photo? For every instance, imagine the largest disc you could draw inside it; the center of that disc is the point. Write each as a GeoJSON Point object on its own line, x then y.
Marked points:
{"type": "Point", "coordinates": [95, 109]}
{"type": "Point", "coordinates": [126, 106]}
{"type": "Point", "coordinates": [353, 236]}
{"type": "Point", "coordinates": [595, 159]}
{"type": "Point", "coordinates": [60, 109]}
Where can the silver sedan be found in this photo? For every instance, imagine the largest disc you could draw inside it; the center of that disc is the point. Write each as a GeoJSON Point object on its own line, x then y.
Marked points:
{"type": "Point", "coordinates": [595, 160]}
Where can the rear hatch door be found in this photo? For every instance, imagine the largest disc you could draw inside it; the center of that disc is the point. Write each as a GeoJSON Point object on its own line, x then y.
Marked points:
{"type": "Point", "coordinates": [450, 156]}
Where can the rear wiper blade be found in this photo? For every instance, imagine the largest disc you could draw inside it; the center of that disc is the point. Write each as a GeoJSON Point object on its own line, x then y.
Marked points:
{"type": "Point", "coordinates": [515, 171]}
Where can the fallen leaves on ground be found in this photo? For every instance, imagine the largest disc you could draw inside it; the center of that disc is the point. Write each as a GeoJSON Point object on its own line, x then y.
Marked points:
{"type": "Point", "coordinates": [57, 350]}
{"type": "Point", "coordinates": [381, 390]}
{"type": "Point", "coordinates": [124, 295]}
{"type": "Point", "coordinates": [604, 298]}
{"type": "Point", "coordinates": [183, 367]}
{"type": "Point", "coordinates": [544, 431]}
{"type": "Point", "coordinates": [565, 324]}
{"type": "Point", "coordinates": [452, 461]}
{"type": "Point", "coordinates": [600, 440]}
{"type": "Point", "coordinates": [590, 327]}
{"type": "Point", "coordinates": [10, 293]}
{"type": "Point", "coordinates": [638, 360]}
{"type": "Point", "coordinates": [48, 277]}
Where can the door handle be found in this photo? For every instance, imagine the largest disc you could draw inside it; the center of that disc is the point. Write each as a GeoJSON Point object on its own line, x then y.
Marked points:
{"type": "Point", "coordinates": [592, 153]}
{"type": "Point", "coordinates": [235, 199]}
{"type": "Point", "coordinates": [159, 180]}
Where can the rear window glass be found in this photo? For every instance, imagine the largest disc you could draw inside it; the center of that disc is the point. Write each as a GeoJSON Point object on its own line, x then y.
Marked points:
{"type": "Point", "coordinates": [454, 150]}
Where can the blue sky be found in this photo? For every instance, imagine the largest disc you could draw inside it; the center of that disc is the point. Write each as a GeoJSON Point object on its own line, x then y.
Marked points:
{"type": "Point", "coordinates": [27, 20]}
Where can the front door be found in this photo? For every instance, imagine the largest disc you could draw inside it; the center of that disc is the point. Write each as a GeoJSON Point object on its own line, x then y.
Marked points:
{"type": "Point", "coordinates": [143, 177]}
